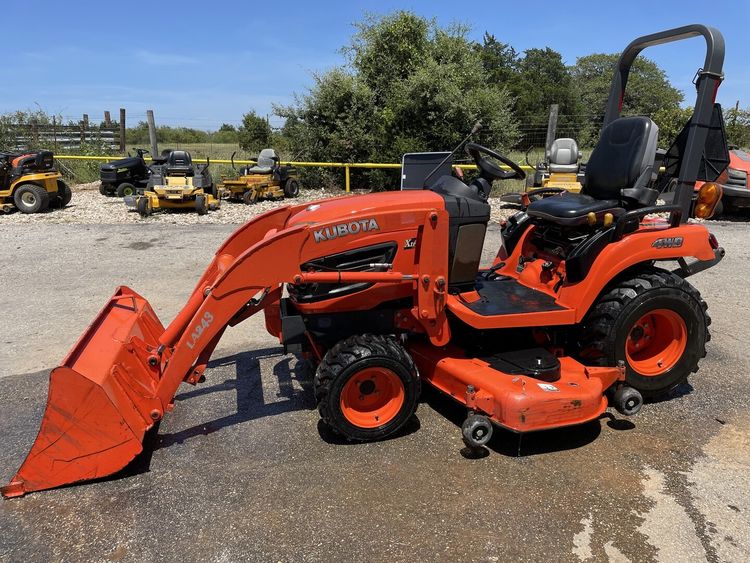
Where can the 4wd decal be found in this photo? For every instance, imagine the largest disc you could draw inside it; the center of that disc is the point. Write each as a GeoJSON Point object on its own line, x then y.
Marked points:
{"type": "Point", "coordinates": [668, 242]}
{"type": "Point", "coordinates": [343, 229]}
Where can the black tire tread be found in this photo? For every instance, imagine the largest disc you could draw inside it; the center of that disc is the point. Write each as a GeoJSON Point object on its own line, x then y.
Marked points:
{"type": "Point", "coordinates": [41, 193]}
{"type": "Point", "coordinates": [596, 334]}
{"type": "Point", "coordinates": [346, 352]}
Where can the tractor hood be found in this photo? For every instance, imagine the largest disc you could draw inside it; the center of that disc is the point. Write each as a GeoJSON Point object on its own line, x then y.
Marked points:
{"type": "Point", "coordinates": [341, 208]}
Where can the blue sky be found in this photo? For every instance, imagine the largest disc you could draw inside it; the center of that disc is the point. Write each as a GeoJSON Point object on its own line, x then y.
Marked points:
{"type": "Point", "coordinates": [199, 64]}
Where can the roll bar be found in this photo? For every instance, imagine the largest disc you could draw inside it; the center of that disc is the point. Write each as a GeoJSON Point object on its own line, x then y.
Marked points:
{"type": "Point", "coordinates": [708, 80]}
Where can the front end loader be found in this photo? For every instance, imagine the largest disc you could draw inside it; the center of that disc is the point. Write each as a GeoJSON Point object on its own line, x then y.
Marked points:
{"type": "Point", "coordinates": [579, 311]}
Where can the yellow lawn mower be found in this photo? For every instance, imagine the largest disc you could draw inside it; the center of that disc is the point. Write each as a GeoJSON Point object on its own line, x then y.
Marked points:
{"type": "Point", "coordinates": [177, 184]}
{"type": "Point", "coordinates": [29, 183]}
{"type": "Point", "coordinates": [266, 180]}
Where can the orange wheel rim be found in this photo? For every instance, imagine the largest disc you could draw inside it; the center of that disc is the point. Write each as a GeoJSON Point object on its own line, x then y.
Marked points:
{"type": "Point", "coordinates": [372, 397]}
{"type": "Point", "coordinates": [656, 342]}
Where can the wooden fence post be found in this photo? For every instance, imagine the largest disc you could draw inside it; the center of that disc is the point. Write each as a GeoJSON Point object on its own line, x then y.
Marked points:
{"type": "Point", "coordinates": [551, 129]}
{"type": "Point", "coordinates": [152, 132]}
{"type": "Point", "coordinates": [84, 127]}
{"type": "Point", "coordinates": [122, 130]}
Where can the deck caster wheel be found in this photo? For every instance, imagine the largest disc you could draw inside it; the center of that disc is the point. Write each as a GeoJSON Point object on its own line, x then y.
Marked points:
{"type": "Point", "coordinates": [476, 430]}
{"type": "Point", "coordinates": [250, 197]}
{"type": "Point", "coordinates": [627, 401]}
{"type": "Point", "coordinates": [143, 207]}
{"type": "Point", "coordinates": [201, 204]}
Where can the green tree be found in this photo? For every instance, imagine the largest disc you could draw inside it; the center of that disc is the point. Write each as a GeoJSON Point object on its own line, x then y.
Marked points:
{"type": "Point", "coordinates": [409, 86]}
{"type": "Point", "coordinates": [737, 123]}
{"type": "Point", "coordinates": [670, 119]}
{"type": "Point", "coordinates": [543, 80]}
{"type": "Point", "coordinates": [254, 134]}
{"type": "Point", "coordinates": [647, 91]}
{"type": "Point", "coordinates": [499, 60]}
{"type": "Point", "coordinates": [227, 133]}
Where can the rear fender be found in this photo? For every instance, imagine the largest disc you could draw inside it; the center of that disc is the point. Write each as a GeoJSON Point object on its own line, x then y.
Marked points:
{"type": "Point", "coordinates": [645, 245]}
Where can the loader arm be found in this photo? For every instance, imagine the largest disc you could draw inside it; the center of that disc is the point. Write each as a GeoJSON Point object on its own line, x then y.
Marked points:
{"type": "Point", "coordinates": [122, 375]}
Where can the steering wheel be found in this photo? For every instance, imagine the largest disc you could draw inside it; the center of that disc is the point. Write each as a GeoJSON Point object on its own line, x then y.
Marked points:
{"type": "Point", "coordinates": [488, 169]}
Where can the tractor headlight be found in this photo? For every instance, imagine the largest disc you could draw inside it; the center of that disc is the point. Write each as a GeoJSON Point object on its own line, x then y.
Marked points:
{"type": "Point", "coordinates": [708, 198]}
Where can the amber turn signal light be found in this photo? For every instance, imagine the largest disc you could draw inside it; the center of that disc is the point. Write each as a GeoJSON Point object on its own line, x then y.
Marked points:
{"type": "Point", "coordinates": [708, 198]}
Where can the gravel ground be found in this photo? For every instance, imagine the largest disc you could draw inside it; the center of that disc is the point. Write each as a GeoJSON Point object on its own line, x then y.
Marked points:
{"type": "Point", "coordinates": [89, 207]}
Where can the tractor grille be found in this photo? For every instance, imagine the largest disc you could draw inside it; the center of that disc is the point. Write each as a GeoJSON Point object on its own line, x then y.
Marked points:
{"type": "Point", "coordinates": [736, 178]}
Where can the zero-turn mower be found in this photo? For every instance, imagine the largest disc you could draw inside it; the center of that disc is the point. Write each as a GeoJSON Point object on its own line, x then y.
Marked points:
{"type": "Point", "coordinates": [30, 183]}
{"type": "Point", "coordinates": [266, 180]}
{"type": "Point", "coordinates": [177, 184]}
{"type": "Point", "coordinates": [561, 167]}
{"type": "Point", "coordinates": [582, 308]}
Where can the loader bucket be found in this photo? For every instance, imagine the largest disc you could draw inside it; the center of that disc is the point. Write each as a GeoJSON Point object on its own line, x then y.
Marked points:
{"type": "Point", "coordinates": [101, 400]}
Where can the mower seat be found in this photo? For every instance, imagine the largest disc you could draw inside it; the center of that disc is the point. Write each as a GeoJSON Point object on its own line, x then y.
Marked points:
{"type": "Point", "coordinates": [267, 160]}
{"type": "Point", "coordinates": [617, 176]}
{"type": "Point", "coordinates": [563, 156]}
{"type": "Point", "coordinates": [179, 163]}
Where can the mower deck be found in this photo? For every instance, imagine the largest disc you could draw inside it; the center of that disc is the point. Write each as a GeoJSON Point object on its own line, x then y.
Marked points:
{"type": "Point", "coordinates": [564, 394]}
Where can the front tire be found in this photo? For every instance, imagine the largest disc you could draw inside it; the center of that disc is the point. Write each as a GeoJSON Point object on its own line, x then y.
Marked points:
{"type": "Point", "coordinates": [31, 198]}
{"type": "Point", "coordinates": [655, 322]}
{"type": "Point", "coordinates": [367, 387]}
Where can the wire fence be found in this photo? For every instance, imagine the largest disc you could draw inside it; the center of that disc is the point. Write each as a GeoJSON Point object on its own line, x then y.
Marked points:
{"type": "Point", "coordinates": [64, 138]}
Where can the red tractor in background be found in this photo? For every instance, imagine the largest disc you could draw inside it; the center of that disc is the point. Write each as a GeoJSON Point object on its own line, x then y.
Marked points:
{"type": "Point", "coordinates": [734, 184]}
{"type": "Point", "coordinates": [579, 311]}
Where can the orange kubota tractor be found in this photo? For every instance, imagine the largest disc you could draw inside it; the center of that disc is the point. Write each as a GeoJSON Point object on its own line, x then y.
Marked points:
{"type": "Point", "coordinates": [578, 311]}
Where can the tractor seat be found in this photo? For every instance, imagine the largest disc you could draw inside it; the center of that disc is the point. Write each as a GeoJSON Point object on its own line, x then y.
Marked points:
{"type": "Point", "coordinates": [563, 156]}
{"type": "Point", "coordinates": [179, 163]}
{"type": "Point", "coordinates": [618, 175]}
{"type": "Point", "coordinates": [570, 210]}
{"type": "Point", "coordinates": [267, 160]}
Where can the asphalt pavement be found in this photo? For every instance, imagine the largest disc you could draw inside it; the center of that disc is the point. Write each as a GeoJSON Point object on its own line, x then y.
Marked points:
{"type": "Point", "coordinates": [242, 469]}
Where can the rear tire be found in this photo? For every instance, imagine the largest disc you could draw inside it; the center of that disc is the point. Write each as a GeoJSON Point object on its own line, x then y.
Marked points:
{"type": "Point", "coordinates": [125, 189]}
{"type": "Point", "coordinates": [367, 387]}
{"type": "Point", "coordinates": [64, 193]}
{"type": "Point", "coordinates": [655, 322]}
{"type": "Point", "coordinates": [31, 198]}
{"type": "Point", "coordinates": [291, 188]}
